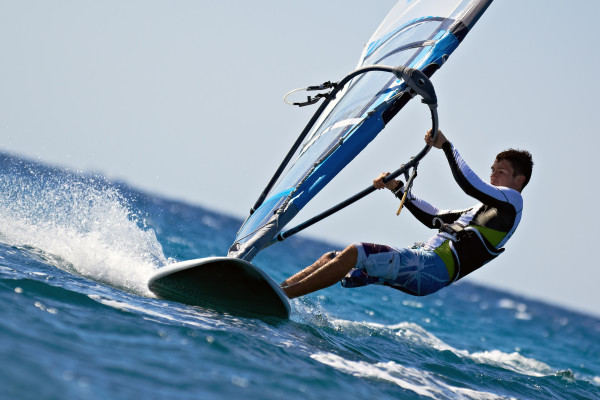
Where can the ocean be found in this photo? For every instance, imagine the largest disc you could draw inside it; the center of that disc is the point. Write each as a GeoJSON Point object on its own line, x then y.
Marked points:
{"type": "Point", "coordinates": [77, 320]}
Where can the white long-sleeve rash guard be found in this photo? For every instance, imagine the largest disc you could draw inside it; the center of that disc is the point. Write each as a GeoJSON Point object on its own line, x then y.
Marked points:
{"type": "Point", "coordinates": [487, 225]}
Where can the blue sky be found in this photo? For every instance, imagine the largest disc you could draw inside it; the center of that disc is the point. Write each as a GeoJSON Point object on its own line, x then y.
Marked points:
{"type": "Point", "coordinates": [183, 99]}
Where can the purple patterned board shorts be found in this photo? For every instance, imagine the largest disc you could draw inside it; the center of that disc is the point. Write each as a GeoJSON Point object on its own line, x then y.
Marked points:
{"type": "Point", "coordinates": [415, 270]}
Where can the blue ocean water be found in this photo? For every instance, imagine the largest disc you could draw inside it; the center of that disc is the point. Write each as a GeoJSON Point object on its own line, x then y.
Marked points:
{"type": "Point", "coordinates": [78, 322]}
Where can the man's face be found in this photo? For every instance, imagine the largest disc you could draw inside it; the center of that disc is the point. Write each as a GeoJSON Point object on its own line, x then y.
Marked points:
{"type": "Point", "coordinates": [502, 175]}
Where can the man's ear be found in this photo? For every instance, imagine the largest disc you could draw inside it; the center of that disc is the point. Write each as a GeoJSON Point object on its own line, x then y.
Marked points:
{"type": "Point", "coordinates": [520, 179]}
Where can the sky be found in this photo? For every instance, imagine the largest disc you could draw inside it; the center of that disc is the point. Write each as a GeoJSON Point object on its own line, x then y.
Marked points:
{"type": "Point", "coordinates": [184, 99]}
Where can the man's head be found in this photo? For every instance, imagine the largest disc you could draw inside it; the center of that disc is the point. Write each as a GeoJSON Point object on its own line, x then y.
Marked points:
{"type": "Point", "coordinates": [512, 169]}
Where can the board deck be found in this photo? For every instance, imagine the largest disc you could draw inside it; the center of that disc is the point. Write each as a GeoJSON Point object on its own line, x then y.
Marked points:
{"type": "Point", "coordinates": [223, 284]}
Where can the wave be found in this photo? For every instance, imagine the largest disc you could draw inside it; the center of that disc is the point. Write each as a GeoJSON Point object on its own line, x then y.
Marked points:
{"type": "Point", "coordinates": [419, 378]}
{"type": "Point", "coordinates": [87, 225]}
{"type": "Point", "coordinates": [420, 382]}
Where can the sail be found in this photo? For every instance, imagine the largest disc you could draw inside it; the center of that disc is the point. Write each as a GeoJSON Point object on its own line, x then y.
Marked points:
{"type": "Point", "coordinates": [420, 34]}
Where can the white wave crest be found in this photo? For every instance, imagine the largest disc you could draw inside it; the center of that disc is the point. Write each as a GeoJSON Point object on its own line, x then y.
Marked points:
{"type": "Point", "coordinates": [418, 335]}
{"type": "Point", "coordinates": [85, 229]}
{"type": "Point", "coordinates": [514, 362]}
{"type": "Point", "coordinates": [420, 382]}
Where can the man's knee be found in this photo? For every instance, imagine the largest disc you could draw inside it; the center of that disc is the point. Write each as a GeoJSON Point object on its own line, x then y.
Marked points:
{"type": "Point", "coordinates": [352, 249]}
{"type": "Point", "coordinates": [335, 253]}
{"type": "Point", "coordinates": [331, 255]}
{"type": "Point", "coordinates": [349, 255]}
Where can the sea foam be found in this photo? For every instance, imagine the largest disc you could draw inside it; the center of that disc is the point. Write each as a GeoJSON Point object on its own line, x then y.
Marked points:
{"type": "Point", "coordinates": [82, 224]}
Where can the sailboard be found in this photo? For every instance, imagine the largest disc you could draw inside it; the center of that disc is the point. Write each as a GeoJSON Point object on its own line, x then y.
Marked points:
{"type": "Point", "coordinates": [221, 283]}
{"type": "Point", "coordinates": [415, 39]}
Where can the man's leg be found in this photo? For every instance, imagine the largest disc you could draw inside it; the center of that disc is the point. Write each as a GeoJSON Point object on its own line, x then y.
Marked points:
{"type": "Point", "coordinates": [324, 259]}
{"type": "Point", "coordinates": [323, 273]}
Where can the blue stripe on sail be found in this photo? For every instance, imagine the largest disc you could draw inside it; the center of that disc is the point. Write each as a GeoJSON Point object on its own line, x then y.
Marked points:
{"type": "Point", "coordinates": [263, 214]}
{"type": "Point", "coordinates": [379, 42]}
{"type": "Point", "coordinates": [330, 167]}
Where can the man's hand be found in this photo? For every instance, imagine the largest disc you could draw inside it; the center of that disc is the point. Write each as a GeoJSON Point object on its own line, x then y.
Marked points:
{"type": "Point", "coordinates": [392, 185]}
{"type": "Point", "coordinates": [440, 139]}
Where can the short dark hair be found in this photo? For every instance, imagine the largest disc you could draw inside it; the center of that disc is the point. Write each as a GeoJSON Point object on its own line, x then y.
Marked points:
{"type": "Point", "coordinates": [520, 161]}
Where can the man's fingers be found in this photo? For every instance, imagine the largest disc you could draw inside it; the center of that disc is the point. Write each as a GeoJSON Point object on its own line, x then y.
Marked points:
{"type": "Point", "coordinates": [378, 182]}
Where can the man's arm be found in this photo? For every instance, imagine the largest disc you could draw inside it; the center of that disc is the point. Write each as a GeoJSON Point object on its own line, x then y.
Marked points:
{"type": "Point", "coordinates": [419, 208]}
{"type": "Point", "coordinates": [468, 180]}
{"type": "Point", "coordinates": [426, 213]}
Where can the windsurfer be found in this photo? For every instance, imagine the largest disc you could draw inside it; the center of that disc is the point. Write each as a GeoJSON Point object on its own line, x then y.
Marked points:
{"type": "Point", "coordinates": [466, 240]}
